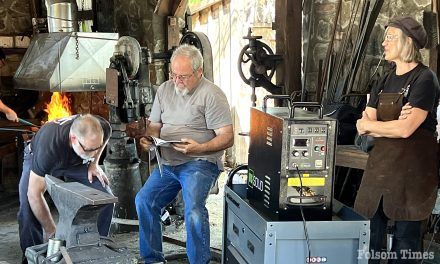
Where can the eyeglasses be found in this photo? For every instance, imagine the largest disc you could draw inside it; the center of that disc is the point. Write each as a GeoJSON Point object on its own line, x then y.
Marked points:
{"type": "Point", "coordinates": [184, 77]}
{"type": "Point", "coordinates": [389, 37]}
{"type": "Point", "coordinates": [88, 150]}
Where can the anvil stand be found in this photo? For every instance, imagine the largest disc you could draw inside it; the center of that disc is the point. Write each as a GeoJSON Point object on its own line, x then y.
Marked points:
{"type": "Point", "coordinates": [78, 207]}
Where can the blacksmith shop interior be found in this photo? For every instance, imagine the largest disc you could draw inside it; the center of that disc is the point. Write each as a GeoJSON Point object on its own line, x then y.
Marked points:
{"type": "Point", "coordinates": [219, 131]}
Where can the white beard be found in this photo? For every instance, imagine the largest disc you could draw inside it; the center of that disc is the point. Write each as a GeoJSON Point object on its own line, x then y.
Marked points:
{"type": "Point", "coordinates": [181, 92]}
{"type": "Point", "coordinates": [83, 156]}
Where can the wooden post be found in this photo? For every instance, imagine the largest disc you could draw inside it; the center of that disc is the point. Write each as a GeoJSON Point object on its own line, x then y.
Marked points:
{"type": "Point", "coordinates": [288, 26]}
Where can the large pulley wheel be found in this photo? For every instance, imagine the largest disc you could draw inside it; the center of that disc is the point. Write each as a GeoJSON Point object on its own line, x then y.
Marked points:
{"type": "Point", "coordinates": [131, 50]}
{"type": "Point", "coordinates": [254, 60]}
{"type": "Point", "coordinates": [201, 41]}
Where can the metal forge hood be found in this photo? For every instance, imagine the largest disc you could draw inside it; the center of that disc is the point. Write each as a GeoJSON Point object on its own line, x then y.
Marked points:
{"type": "Point", "coordinates": [66, 62]}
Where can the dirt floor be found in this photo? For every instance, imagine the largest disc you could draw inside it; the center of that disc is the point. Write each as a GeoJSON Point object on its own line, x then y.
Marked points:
{"type": "Point", "coordinates": [9, 241]}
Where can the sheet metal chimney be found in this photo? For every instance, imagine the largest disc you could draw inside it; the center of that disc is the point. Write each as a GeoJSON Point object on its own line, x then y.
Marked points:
{"type": "Point", "coordinates": [61, 15]}
{"type": "Point", "coordinates": [65, 60]}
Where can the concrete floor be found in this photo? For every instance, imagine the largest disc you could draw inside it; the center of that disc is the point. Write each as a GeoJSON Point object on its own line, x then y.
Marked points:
{"type": "Point", "coordinates": [10, 251]}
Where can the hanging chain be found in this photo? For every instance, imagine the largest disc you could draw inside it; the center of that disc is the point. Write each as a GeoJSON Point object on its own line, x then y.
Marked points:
{"type": "Point", "coordinates": [80, 24]}
{"type": "Point", "coordinates": [76, 46]}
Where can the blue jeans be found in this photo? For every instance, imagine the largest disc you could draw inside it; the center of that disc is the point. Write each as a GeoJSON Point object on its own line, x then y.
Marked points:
{"type": "Point", "coordinates": [195, 178]}
{"type": "Point", "coordinates": [407, 237]}
{"type": "Point", "coordinates": [30, 229]}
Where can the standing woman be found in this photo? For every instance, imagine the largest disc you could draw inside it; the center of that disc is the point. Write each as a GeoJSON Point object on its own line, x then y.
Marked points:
{"type": "Point", "coordinates": [401, 177]}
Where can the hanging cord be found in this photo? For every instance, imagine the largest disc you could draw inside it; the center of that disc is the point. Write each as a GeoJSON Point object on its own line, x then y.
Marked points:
{"type": "Point", "coordinates": [306, 233]}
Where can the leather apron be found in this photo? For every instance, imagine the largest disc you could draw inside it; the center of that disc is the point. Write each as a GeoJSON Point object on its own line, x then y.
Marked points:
{"type": "Point", "coordinates": [401, 171]}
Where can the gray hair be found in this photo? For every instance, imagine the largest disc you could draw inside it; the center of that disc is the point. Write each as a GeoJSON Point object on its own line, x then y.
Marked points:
{"type": "Point", "coordinates": [191, 52]}
{"type": "Point", "coordinates": [87, 126]}
{"type": "Point", "coordinates": [408, 50]}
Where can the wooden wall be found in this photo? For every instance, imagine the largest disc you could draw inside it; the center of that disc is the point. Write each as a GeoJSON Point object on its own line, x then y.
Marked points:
{"type": "Point", "coordinates": [225, 23]}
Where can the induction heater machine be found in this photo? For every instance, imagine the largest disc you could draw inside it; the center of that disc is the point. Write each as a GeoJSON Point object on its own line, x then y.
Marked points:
{"type": "Point", "coordinates": [291, 162]}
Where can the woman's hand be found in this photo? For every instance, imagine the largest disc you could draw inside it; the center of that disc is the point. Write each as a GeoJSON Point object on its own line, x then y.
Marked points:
{"type": "Point", "coordinates": [362, 123]}
{"type": "Point", "coordinates": [406, 111]}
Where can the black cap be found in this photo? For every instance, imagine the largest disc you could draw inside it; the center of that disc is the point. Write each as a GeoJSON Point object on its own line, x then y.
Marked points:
{"type": "Point", "coordinates": [412, 29]}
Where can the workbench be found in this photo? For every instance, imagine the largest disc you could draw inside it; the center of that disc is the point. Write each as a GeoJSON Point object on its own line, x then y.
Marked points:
{"type": "Point", "coordinates": [351, 157]}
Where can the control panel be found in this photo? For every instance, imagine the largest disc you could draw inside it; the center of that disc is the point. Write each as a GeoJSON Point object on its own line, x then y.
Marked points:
{"type": "Point", "coordinates": [308, 143]}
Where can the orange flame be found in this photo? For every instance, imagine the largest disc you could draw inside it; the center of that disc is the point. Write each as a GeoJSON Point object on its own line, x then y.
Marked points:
{"type": "Point", "coordinates": [59, 106]}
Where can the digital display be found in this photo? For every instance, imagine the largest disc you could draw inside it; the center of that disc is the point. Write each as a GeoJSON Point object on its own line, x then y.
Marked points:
{"type": "Point", "coordinates": [302, 142]}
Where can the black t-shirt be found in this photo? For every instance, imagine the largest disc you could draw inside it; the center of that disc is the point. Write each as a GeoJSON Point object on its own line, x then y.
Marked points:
{"type": "Point", "coordinates": [52, 153]}
{"type": "Point", "coordinates": [423, 93]}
